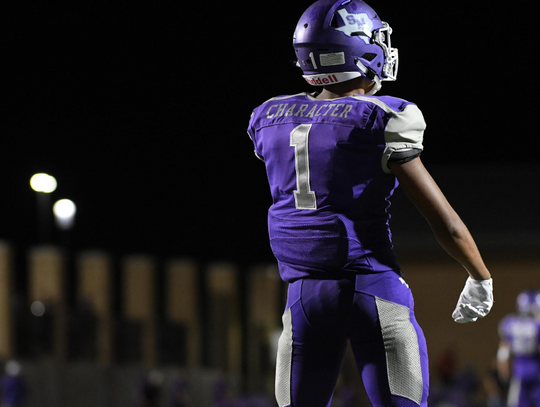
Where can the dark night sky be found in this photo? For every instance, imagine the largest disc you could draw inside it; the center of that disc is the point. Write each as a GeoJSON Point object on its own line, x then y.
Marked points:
{"type": "Point", "coordinates": [140, 111]}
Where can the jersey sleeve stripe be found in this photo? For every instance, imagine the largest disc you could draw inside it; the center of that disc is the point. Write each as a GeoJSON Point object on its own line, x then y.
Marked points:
{"type": "Point", "coordinates": [404, 131]}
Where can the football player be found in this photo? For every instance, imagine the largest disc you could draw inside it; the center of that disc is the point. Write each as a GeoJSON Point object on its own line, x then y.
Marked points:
{"type": "Point", "coordinates": [518, 356]}
{"type": "Point", "coordinates": [333, 159]}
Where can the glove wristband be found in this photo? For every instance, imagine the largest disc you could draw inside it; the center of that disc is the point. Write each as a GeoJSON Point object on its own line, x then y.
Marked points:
{"type": "Point", "coordinates": [484, 283]}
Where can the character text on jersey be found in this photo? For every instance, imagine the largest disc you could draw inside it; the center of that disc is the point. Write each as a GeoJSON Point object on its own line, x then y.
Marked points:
{"type": "Point", "coordinates": [326, 109]}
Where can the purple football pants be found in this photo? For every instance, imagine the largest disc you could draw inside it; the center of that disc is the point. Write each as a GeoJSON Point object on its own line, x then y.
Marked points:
{"type": "Point", "coordinates": [375, 313]}
{"type": "Point", "coordinates": [524, 393]}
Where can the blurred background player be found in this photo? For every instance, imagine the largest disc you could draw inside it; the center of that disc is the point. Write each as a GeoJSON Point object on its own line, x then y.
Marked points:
{"type": "Point", "coordinates": [148, 389]}
{"type": "Point", "coordinates": [518, 357]}
{"type": "Point", "coordinates": [333, 159]}
{"type": "Point", "coordinates": [13, 387]}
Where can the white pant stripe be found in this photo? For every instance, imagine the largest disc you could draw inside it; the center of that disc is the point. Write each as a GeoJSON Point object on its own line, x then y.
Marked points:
{"type": "Point", "coordinates": [402, 350]}
{"type": "Point", "coordinates": [284, 362]}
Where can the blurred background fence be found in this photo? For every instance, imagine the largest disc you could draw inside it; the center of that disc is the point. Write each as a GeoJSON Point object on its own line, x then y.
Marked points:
{"type": "Point", "coordinates": [89, 324]}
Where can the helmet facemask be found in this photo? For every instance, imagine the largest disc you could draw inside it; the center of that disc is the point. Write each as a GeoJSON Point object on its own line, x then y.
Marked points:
{"type": "Point", "coordinates": [381, 37]}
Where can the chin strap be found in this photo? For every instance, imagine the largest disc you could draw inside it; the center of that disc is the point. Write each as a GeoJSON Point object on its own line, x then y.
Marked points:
{"type": "Point", "coordinates": [376, 87]}
{"type": "Point", "coordinates": [370, 74]}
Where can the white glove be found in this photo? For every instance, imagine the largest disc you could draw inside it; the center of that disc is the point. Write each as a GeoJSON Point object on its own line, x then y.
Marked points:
{"type": "Point", "coordinates": [475, 301]}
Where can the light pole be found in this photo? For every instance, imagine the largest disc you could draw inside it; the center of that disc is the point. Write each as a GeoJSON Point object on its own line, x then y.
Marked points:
{"type": "Point", "coordinates": [43, 184]}
{"type": "Point", "coordinates": [64, 214]}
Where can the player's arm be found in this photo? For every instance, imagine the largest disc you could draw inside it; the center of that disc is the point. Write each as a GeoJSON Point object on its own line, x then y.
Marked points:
{"type": "Point", "coordinates": [451, 233]}
{"type": "Point", "coordinates": [503, 360]}
{"type": "Point", "coordinates": [449, 229]}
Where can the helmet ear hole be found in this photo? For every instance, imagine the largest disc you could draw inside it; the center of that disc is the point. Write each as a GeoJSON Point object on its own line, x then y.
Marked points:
{"type": "Point", "coordinates": [369, 56]}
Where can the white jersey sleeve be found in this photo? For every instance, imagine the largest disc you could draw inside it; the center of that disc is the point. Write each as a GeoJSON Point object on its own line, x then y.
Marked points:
{"type": "Point", "coordinates": [404, 132]}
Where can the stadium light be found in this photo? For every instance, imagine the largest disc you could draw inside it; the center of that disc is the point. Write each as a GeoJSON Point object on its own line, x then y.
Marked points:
{"type": "Point", "coordinates": [64, 212]}
{"type": "Point", "coordinates": [42, 182]}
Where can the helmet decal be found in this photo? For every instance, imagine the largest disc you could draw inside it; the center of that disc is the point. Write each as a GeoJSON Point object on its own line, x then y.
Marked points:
{"type": "Point", "coordinates": [356, 24]}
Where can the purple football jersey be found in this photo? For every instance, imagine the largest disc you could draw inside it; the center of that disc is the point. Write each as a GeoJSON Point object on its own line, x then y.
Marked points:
{"type": "Point", "coordinates": [523, 335]}
{"type": "Point", "coordinates": [326, 162]}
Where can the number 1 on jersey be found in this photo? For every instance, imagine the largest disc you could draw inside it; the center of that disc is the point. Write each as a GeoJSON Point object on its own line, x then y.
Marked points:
{"type": "Point", "coordinates": [304, 197]}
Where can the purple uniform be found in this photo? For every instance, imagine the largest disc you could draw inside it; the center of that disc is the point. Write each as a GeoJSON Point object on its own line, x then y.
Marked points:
{"type": "Point", "coordinates": [326, 162]}
{"type": "Point", "coordinates": [522, 333]}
